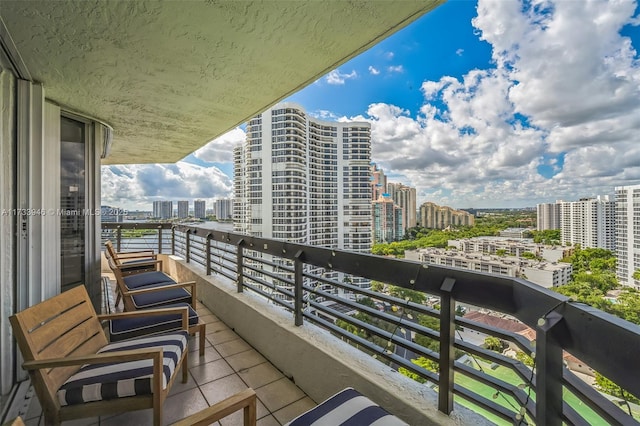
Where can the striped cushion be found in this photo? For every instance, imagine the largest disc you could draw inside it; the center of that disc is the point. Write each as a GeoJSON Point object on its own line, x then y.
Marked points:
{"type": "Point", "coordinates": [118, 380]}
{"type": "Point", "coordinates": [146, 278]}
{"type": "Point", "coordinates": [162, 298]}
{"type": "Point", "coordinates": [122, 329]}
{"type": "Point", "coordinates": [347, 408]}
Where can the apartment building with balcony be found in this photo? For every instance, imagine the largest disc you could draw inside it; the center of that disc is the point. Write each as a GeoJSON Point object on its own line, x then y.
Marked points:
{"type": "Point", "coordinates": [183, 209]}
{"type": "Point", "coordinates": [589, 222]}
{"type": "Point", "coordinates": [627, 218]}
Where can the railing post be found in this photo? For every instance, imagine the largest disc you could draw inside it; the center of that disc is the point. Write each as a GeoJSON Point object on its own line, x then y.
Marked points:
{"type": "Point", "coordinates": [297, 291]}
{"type": "Point", "coordinates": [447, 339]}
{"type": "Point", "coordinates": [187, 246]}
{"type": "Point", "coordinates": [173, 240]}
{"type": "Point", "coordinates": [208, 253]}
{"type": "Point", "coordinates": [239, 267]}
{"type": "Point", "coordinates": [160, 239]}
{"type": "Point", "coordinates": [548, 361]}
{"type": "Point", "coordinates": [119, 238]}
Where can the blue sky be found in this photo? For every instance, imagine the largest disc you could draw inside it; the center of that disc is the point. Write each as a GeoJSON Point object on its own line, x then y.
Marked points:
{"type": "Point", "coordinates": [495, 103]}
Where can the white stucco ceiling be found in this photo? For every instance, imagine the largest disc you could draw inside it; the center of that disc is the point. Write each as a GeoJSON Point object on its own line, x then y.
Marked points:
{"type": "Point", "coordinates": [171, 76]}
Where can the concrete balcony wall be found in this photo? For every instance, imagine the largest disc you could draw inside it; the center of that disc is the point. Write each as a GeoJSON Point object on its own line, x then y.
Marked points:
{"type": "Point", "coordinates": [318, 362]}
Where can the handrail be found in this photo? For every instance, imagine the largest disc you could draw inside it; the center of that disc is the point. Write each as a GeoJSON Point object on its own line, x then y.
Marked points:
{"type": "Point", "coordinates": [606, 343]}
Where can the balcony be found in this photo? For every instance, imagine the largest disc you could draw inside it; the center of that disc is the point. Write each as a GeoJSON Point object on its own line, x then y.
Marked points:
{"type": "Point", "coordinates": [315, 329]}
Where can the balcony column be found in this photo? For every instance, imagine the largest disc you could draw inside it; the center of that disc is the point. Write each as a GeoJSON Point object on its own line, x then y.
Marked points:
{"type": "Point", "coordinates": [207, 254]}
{"type": "Point", "coordinates": [298, 291]}
{"type": "Point", "coordinates": [159, 239]}
{"type": "Point", "coordinates": [173, 240]}
{"type": "Point", "coordinates": [239, 262]}
{"type": "Point", "coordinates": [548, 371]}
{"type": "Point", "coordinates": [187, 246]}
{"type": "Point", "coordinates": [447, 339]}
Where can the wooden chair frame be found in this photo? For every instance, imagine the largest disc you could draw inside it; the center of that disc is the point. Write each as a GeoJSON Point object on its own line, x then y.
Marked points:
{"type": "Point", "coordinates": [120, 258]}
{"type": "Point", "coordinates": [245, 400]}
{"type": "Point", "coordinates": [127, 294]}
{"type": "Point", "coordinates": [56, 337]}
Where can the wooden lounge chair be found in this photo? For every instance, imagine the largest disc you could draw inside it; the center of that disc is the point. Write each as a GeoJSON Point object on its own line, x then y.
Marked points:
{"type": "Point", "coordinates": [77, 373]}
{"type": "Point", "coordinates": [245, 400]}
{"type": "Point", "coordinates": [153, 290]}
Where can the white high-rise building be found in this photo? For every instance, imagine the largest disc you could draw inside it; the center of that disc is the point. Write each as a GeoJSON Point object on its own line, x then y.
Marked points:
{"type": "Point", "coordinates": [163, 209]}
{"type": "Point", "coordinates": [548, 216]}
{"type": "Point", "coordinates": [304, 180]}
{"type": "Point", "coordinates": [589, 222]}
{"type": "Point", "coordinates": [628, 234]}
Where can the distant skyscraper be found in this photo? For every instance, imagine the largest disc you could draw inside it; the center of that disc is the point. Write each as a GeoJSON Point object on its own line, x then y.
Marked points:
{"type": "Point", "coordinates": [163, 209]}
{"type": "Point", "coordinates": [440, 217]}
{"type": "Point", "coordinates": [199, 209]}
{"type": "Point", "coordinates": [405, 197]}
{"type": "Point", "coordinates": [183, 209]}
{"type": "Point", "coordinates": [223, 208]}
{"type": "Point", "coordinates": [628, 234]}
{"type": "Point", "coordinates": [589, 222]}
{"type": "Point", "coordinates": [548, 216]}
{"type": "Point", "coordinates": [387, 220]}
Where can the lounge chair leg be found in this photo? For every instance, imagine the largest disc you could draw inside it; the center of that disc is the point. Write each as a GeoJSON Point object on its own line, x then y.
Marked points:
{"type": "Point", "coordinates": [201, 335]}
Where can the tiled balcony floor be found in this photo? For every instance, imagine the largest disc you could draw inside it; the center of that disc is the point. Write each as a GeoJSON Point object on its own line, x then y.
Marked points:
{"type": "Point", "coordinates": [229, 365]}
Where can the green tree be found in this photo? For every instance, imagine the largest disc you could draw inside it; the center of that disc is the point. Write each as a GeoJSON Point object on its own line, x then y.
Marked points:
{"type": "Point", "coordinates": [525, 359]}
{"type": "Point", "coordinates": [377, 286]}
{"type": "Point", "coordinates": [607, 386]}
{"type": "Point", "coordinates": [423, 362]}
{"type": "Point", "coordinates": [501, 252]}
{"type": "Point", "coordinates": [493, 343]}
{"type": "Point", "coordinates": [405, 293]}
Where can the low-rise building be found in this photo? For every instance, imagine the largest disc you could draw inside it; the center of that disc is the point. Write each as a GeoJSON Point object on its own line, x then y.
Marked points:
{"type": "Point", "coordinates": [545, 274]}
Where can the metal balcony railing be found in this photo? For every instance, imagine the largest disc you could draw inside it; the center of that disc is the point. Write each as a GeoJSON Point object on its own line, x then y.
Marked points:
{"type": "Point", "coordinates": [327, 287]}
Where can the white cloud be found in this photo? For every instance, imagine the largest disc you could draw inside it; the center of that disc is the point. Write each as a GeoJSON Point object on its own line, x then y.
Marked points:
{"type": "Point", "coordinates": [136, 186]}
{"type": "Point", "coordinates": [219, 150]}
{"type": "Point", "coordinates": [395, 68]}
{"type": "Point", "coordinates": [459, 52]}
{"type": "Point", "coordinates": [389, 55]}
{"type": "Point", "coordinates": [336, 77]}
{"type": "Point", "coordinates": [564, 82]}
{"type": "Point", "coordinates": [373, 71]}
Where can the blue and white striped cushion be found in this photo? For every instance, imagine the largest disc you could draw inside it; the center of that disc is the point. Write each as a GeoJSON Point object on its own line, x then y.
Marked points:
{"type": "Point", "coordinates": [118, 380]}
{"type": "Point", "coordinates": [347, 408]}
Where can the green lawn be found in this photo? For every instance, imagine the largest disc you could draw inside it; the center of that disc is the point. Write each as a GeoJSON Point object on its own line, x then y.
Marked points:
{"type": "Point", "coordinates": [511, 377]}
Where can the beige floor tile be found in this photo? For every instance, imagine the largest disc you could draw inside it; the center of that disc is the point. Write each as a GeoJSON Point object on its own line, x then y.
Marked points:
{"type": "Point", "coordinates": [216, 326]}
{"type": "Point", "coordinates": [221, 336]}
{"type": "Point", "coordinates": [268, 421]}
{"type": "Point", "coordinates": [208, 318]}
{"type": "Point", "coordinates": [210, 371]}
{"type": "Point", "coordinates": [184, 404]}
{"type": "Point", "coordinates": [179, 387]}
{"type": "Point", "coordinates": [279, 394]}
{"type": "Point", "coordinates": [232, 347]}
{"type": "Point", "coordinates": [260, 375]}
{"type": "Point", "coordinates": [194, 345]}
{"type": "Point", "coordinates": [217, 390]}
{"type": "Point", "coordinates": [292, 411]}
{"type": "Point", "coordinates": [210, 354]}
{"type": "Point", "coordinates": [246, 359]}
{"type": "Point", "coordinates": [131, 418]}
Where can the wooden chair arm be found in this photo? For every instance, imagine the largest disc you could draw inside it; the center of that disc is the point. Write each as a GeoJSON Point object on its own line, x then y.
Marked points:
{"type": "Point", "coordinates": [245, 399]}
{"type": "Point", "coordinates": [136, 253]}
{"type": "Point", "coordinates": [144, 290]}
{"type": "Point", "coordinates": [136, 265]}
{"type": "Point", "coordinates": [184, 311]}
{"type": "Point", "coordinates": [108, 357]}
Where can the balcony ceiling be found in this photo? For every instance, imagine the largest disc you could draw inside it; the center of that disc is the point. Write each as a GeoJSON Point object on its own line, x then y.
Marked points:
{"type": "Point", "coordinates": [171, 76]}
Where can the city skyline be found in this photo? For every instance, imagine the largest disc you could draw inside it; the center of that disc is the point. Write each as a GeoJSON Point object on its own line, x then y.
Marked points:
{"type": "Point", "coordinates": [503, 106]}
